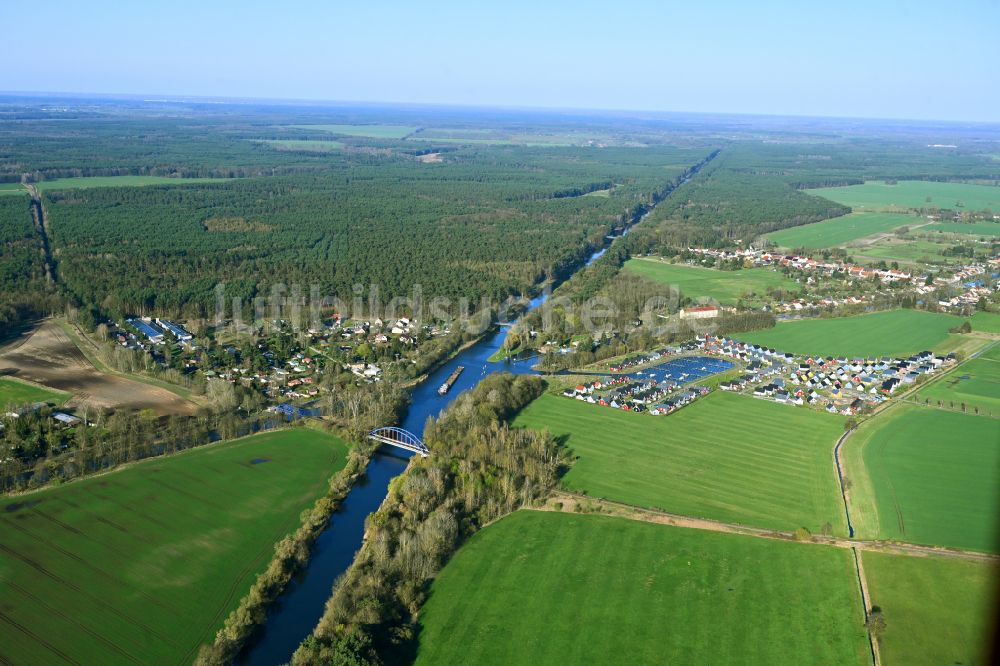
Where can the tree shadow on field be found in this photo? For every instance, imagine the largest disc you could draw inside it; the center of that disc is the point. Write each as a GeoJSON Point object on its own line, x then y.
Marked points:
{"type": "Point", "coordinates": [562, 441]}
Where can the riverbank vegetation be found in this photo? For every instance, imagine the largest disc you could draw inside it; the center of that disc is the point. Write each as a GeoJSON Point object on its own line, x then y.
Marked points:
{"type": "Point", "coordinates": [479, 470]}
{"type": "Point", "coordinates": [291, 554]}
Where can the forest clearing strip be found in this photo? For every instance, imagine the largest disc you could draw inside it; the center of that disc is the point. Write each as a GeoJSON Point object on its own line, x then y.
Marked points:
{"type": "Point", "coordinates": [42, 227]}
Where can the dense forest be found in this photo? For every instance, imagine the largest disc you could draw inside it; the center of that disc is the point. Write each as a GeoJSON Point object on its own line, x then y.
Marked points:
{"type": "Point", "coordinates": [510, 200]}
{"type": "Point", "coordinates": [755, 187]}
{"type": "Point", "coordinates": [24, 291]}
{"type": "Point", "coordinates": [487, 223]}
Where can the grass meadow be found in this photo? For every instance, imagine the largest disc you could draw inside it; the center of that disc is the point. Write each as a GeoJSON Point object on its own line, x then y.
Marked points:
{"type": "Point", "coordinates": [889, 333]}
{"type": "Point", "coordinates": [728, 457]}
{"type": "Point", "coordinates": [840, 230]}
{"type": "Point", "coordinates": [143, 564]}
{"type": "Point", "coordinates": [726, 287]}
{"type": "Point", "coordinates": [553, 588]}
{"type": "Point", "coordinates": [906, 252]}
{"type": "Point", "coordinates": [303, 145]}
{"type": "Point", "coordinates": [14, 392]}
{"type": "Point", "coordinates": [976, 385]}
{"type": "Point", "coordinates": [986, 322]}
{"type": "Point", "coordinates": [907, 194]}
{"type": "Point", "coordinates": [365, 131]}
{"type": "Point", "coordinates": [12, 189]}
{"type": "Point", "coordinates": [937, 610]}
{"type": "Point", "coordinates": [118, 181]}
{"type": "Point", "coordinates": [927, 476]}
{"type": "Point", "coordinates": [500, 137]}
{"type": "Point", "coordinates": [973, 228]}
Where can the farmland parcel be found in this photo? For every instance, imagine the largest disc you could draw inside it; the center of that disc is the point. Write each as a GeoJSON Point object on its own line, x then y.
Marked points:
{"type": "Point", "coordinates": [840, 230]}
{"type": "Point", "coordinates": [695, 282]}
{"type": "Point", "coordinates": [727, 457]}
{"type": "Point", "coordinates": [928, 476]}
{"type": "Point", "coordinates": [892, 333]}
{"type": "Point", "coordinates": [13, 393]}
{"type": "Point", "coordinates": [144, 564]}
{"type": "Point", "coordinates": [974, 388]}
{"type": "Point", "coordinates": [906, 194]}
{"type": "Point", "coordinates": [550, 588]}
{"type": "Point", "coordinates": [937, 610]}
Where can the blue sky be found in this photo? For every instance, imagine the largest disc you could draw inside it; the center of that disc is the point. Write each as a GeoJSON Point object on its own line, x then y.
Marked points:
{"type": "Point", "coordinates": [903, 59]}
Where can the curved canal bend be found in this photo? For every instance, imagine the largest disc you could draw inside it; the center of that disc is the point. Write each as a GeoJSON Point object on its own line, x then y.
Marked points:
{"type": "Point", "coordinates": [295, 613]}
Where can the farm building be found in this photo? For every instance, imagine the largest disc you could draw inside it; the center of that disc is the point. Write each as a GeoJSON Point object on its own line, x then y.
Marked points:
{"type": "Point", "coordinates": [176, 330]}
{"type": "Point", "coordinates": [702, 312]}
{"type": "Point", "coordinates": [66, 419]}
{"type": "Point", "coordinates": [151, 332]}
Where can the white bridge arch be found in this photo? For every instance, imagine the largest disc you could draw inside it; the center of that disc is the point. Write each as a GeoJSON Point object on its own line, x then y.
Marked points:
{"type": "Point", "coordinates": [400, 438]}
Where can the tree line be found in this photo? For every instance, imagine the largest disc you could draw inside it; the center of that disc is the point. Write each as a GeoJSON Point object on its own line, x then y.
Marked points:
{"type": "Point", "coordinates": [479, 470]}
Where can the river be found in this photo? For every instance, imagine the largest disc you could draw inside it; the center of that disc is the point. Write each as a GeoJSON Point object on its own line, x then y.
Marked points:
{"type": "Point", "coordinates": [295, 613]}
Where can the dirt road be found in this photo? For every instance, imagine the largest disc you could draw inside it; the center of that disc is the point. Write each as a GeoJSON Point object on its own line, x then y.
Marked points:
{"type": "Point", "coordinates": [610, 508]}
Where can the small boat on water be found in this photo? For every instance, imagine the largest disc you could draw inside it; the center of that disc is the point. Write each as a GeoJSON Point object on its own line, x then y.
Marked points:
{"type": "Point", "coordinates": [451, 380]}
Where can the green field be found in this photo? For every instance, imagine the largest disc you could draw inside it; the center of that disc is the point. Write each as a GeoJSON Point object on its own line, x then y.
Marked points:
{"type": "Point", "coordinates": [840, 230]}
{"type": "Point", "coordinates": [303, 145]}
{"type": "Point", "coordinates": [937, 610]}
{"type": "Point", "coordinates": [500, 137]}
{"type": "Point", "coordinates": [906, 194]}
{"type": "Point", "coordinates": [926, 476]}
{"type": "Point", "coordinates": [986, 322]}
{"type": "Point", "coordinates": [976, 384]}
{"type": "Point", "coordinates": [143, 564]}
{"type": "Point", "coordinates": [12, 188]}
{"type": "Point", "coordinates": [908, 251]}
{"type": "Point", "coordinates": [974, 228]}
{"type": "Point", "coordinates": [551, 588]}
{"type": "Point", "coordinates": [13, 392]}
{"type": "Point", "coordinates": [891, 333]}
{"type": "Point", "coordinates": [695, 282]}
{"type": "Point", "coordinates": [366, 131]}
{"type": "Point", "coordinates": [532, 141]}
{"type": "Point", "coordinates": [460, 140]}
{"type": "Point", "coordinates": [118, 181]}
{"type": "Point", "coordinates": [728, 457]}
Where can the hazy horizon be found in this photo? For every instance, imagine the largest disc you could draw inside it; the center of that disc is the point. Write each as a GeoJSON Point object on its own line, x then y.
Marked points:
{"type": "Point", "coordinates": [895, 61]}
{"type": "Point", "coordinates": [372, 104]}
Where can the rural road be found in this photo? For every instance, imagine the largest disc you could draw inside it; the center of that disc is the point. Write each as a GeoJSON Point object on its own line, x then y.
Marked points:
{"type": "Point", "coordinates": [871, 240]}
{"type": "Point", "coordinates": [608, 507]}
